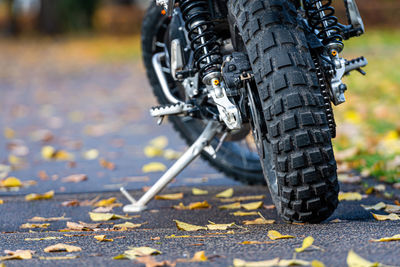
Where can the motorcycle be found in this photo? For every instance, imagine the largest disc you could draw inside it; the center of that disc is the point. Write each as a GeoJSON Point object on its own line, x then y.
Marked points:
{"type": "Point", "coordinates": [249, 84]}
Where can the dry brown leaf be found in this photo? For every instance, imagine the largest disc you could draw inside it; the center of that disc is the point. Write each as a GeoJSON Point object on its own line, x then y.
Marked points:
{"type": "Point", "coordinates": [392, 208]}
{"type": "Point", "coordinates": [17, 255]}
{"type": "Point", "coordinates": [47, 195]}
{"type": "Point", "coordinates": [199, 192]}
{"type": "Point", "coordinates": [199, 257]}
{"type": "Point", "coordinates": [75, 178]}
{"type": "Point", "coordinates": [151, 262]}
{"type": "Point", "coordinates": [169, 196]}
{"type": "Point", "coordinates": [102, 238]}
{"type": "Point", "coordinates": [188, 227]}
{"type": "Point", "coordinates": [252, 205]}
{"type": "Point", "coordinates": [37, 225]}
{"type": "Point", "coordinates": [350, 196]}
{"type": "Point", "coordinates": [81, 226]}
{"type": "Point", "coordinates": [104, 209]}
{"type": "Point", "coordinates": [154, 167]}
{"type": "Point", "coordinates": [107, 164]}
{"type": "Point", "coordinates": [70, 203]}
{"type": "Point", "coordinates": [391, 217]}
{"type": "Point", "coordinates": [387, 239]}
{"type": "Point", "coordinates": [226, 193]}
{"type": "Point", "coordinates": [60, 247]}
{"type": "Point", "coordinates": [274, 235]}
{"type": "Point", "coordinates": [243, 198]}
{"type": "Point", "coordinates": [233, 206]}
{"type": "Point", "coordinates": [51, 219]}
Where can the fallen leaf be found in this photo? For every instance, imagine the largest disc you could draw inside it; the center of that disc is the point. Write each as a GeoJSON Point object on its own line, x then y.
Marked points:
{"type": "Point", "coordinates": [151, 262]}
{"type": "Point", "coordinates": [11, 182]}
{"type": "Point", "coordinates": [107, 164]}
{"type": "Point", "coordinates": [75, 178]}
{"type": "Point", "coordinates": [17, 255]}
{"type": "Point", "coordinates": [199, 257]}
{"type": "Point", "coordinates": [226, 193]}
{"type": "Point", "coordinates": [199, 192]}
{"type": "Point", "coordinates": [387, 239]}
{"type": "Point", "coordinates": [293, 262]}
{"type": "Point", "coordinates": [154, 167]}
{"type": "Point", "coordinates": [377, 206]}
{"type": "Point", "coordinates": [47, 195]}
{"type": "Point", "coordinates": [37, 225]}
{"type": "Point", "coordinates": [60, 247]}
{"type": "Point", "coordinates": [43, 238]}
{"type": "Point", "coordinates": [104, 209]}
{"type": "Point", "coordinates": [316, 263]}
{"type": "Point", "coordinates": [391, 217]}
{"type": "Point", "coordinates": [51, 219]}
{"type": "Point", "coordinates": [193, 206]}
{"type": "Point", "coordinates": [102, 238]}
{"type": "Point", "coordinates": [188, 227]}
{"type": "Point", "coordinates": [252, 205]}
{"type": "Point", "coordinates": [171, 154]}
{"type": "Point", "coordinates": [50, 153]}
{"type": "Point", "coordinates": [9, 133]}
{"type": "Point", "coordinates": [354, 260]}
{"type": "Point", "coordinates": [160, 142]}
{"type": "Point", "coordinates": [243, 198]}
{"type": "Point", "coordinates": [127, 225]}
{"type": "Point", "coordinates": [135, 252]}
{"type": "Point", "coordinates": [258, 221]}
{"type": "Point", "coordinates": [70, 203]}
{"type": "Point", "coordinates": [350, 196]}
{"type": "Point", "coordinates": [255, 242]}
{"type": "Point", "coordinates": [233, 206]}
{"type": "Point", "coordinates": [81, 226]}
{"type": "Point", "coordinates": [274, 235]}
{"type": "Point", "coordinates": [244, 213]}
{"type": "Point", "coordinates": [307, 242]}
{"type": "Point", "coordinates": [169, 196]}
{"type": "Point", "coordinates": [4, 170]}
{"type": "Point", "coordinates": [107, 216]}
{"type": "Point", "coordinates": [152, 152]}
{"type": "Point", "coordinates": [91, 154]}
{"type": "Point", "coordinates": [392, 208]}
{"type": "Point", "coordinates": [105, 202]}
{"type": "Point", "coordinates": [267, 263]}
{"type": "Point", "coordinates": [214, 226]}
{"type": "Point", "coordinates": [349, 179]}
{"type": "Point", "coordinates": [1, 201]}
{"type": "Point", "coordinates": [60, 257]}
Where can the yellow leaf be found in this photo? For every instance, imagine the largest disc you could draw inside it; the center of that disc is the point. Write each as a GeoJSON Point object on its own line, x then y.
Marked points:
{"type": "Point", "coordinates": [9, 133]}
{"type": "Point", "coordinates": [354, 260]}
{"type": "Point", "coordinates": [47, 195]}
{"type": "Point", "coordinates": [169, 196]}
{"type": "Point", "coordinates": [152, 152]}
{"type": "Point", "coordinates": [127, 225]}
{"type": "Point", "coordinates": [171, 154]}
{"type": "Point", "coordinates": [135, 252]}
{"type": "Point", "coordinates": [244, 213]}
{"type": "Point", "coordinates": [188, 227]}
{"type": "Point", "coordinates": [307, 242]}
{"type": "Point", "coordinates": [252, 205]}
{"type": "Point", "coordinates": [316, 263]}
{"type": "Point", "coordinates": [214, 226]}
{"type": "Point", "coordinates": [274, 235]}
{"type": "Point", "coordinates": [193, 206]}
{"type": "Point", "coordinates": [392, 208]}
{"type": "Point", "coordinates": [391, 217]}
{"type": "Point", "coordinates": [1, 201]}
{"type": "Point", "coordinates": [353, 117]}
{"type": "Point", "coordinates": [43, 238]}
{"type": "Point", "coordinates": [243, 198]}
{"type": "Point", "coordinates": [258, 221]}
{"type": "Point", "coordinates": [60, 258]}
{"type": "Point", "coordinates": [293, 262]}
{"type": "Point", "coordinates": [48, 152]}
{"type": "Point", "coordinates": [350, 196]}
{"type": "Point", "coordinates": [160, 142]}
{"type": "Point", "coordinates": [387, 239]}
{"type": "Point", "coordinates": [17, 255]}
{"type": "Point", "coordinates": [14, 160]}
{"type": "Point", "coordinates": [42, 219]}
{"type": "Point", "coordinates": [102, 238]}
{"type": "Point", "coordinates": [37, 225]}
{"type": "Point", "coordinates": [199, 256]}
{"type": "Point", "coordinates": [233, 206]}
{"type": "Point", "coordinates": [226, 193]}
{"type": "Point", "coordinates": [154, 167]}
{"type": "Point", "coordinates": [255, 242]}
{"type": "Point", "coordinates": [11, 182]}
{"type": "Point", "coordinates": [60, 247]}
{"type": "Point", "coordinates": [177, 236]}
{"type": "Point", "coordinates": [267, 263]}
{"type": "Point", "coordinates": [106, 216]}
{"type": "Point", "coordinates": [91, 154]}
{"type": "Point", "coordinates": [378, 206]}
{"type": "Point", "coordinates": [105, 202]}
{"type": "Point", "coordinates": [199, 192]}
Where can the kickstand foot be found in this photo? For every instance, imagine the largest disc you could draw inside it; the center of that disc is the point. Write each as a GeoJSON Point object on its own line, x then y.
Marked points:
{"type": "Point", "coordinates": [202, 143]}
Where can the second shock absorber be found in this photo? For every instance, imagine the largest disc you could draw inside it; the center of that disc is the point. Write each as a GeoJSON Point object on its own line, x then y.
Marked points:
{"type": "Point", "coordinates": [204, 43]}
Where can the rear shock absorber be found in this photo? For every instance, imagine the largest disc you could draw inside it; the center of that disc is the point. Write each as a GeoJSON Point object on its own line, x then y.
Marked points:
{"type": "Point", "coordinates": [204, 43]}
{"type": "Point", "coordinates": [321, 18]}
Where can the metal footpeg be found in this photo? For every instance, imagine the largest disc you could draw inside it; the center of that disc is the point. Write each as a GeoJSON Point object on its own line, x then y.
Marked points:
{"type": "Point", "coordinates": [173, 109]}
{"type": "Point", "coordinates": [356, 64]}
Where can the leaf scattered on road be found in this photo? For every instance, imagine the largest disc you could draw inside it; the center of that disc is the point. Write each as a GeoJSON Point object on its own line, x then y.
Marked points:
{"type": "Point", "coordinates": [159, 142]}
{"type": "Point", "coordinates": [169, 196]}
{"type": "Point", "coordinates": [307, 242]}
{"type": "Point", "coordinates": [127, 225]}
{"type": "Point", "coordinates": [226, 193]}
{"type": "Point", "coordinates": [199, 192]}
{"type": "Point", "coordinates": [387, 239]}
{"type": "Point", "coordinates": [215, 226]}
{"type": "Point", "coordinates": [350, 196]}
{"type": "Point", "coordinates": [43, 238]}
{"type": "Point", "coordinates": [391, 217]}
{"type": "Point", "coordinates": [50, 153]}
{"type": "Point", "coordinates": [258, 221]}
{"type": "Point", "coordinates": [135, 252]}
{"type": "Point", "coordinates": [107, 216]}
{"type": "Point", "coordinates": [243, 198]}
{"type": "Point", "coordinates": [59, 258]}
{"type": "Point", "coordinates": [11, 182]}
{"type": "Point", "coordinates": [199, 256]}
{"type": "Point", "coordinates": [91, 154]}
{"type": "Point", "coordinates": [102, 238]}
{"type": "Point", "coordinates": [107, 164]}
{"type": "Point", "coordinates": [47, 195]}
{"type": "Point", "coordinates": [252, 205]}
{"type": "Point", "coordinates": [244, 213]}
{"type": "Point", "coordinates": [75, 178]}
{"type": "Point", "coordinates": [266, 263]}
{"type": "Point", "coordinates": [233, 206]}
{"type": "Point", "coordinates": [17, 255]}
{"type": "Point", "coordinates": [274, 235]}
{"type": "Point", "coordinates": [354, 260]}
{"type": "Point", "coordinates": [188, 227]}
{"type": "Point", "coordinates": [60, 247]}
{"type": "Point", "coordinates": [154, 167]}
{"type": "Point", "coordinates": [378, 206]}
{"type": "Point", "coordinates": [32, 225]}
{"type": "Point", "coordinates": [193, 206]}
{"type": "Point", "coordinates": [51, 219]}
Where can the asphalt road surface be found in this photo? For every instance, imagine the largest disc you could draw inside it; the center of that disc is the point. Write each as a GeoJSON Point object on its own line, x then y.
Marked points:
{"type": "Point", "coordinates": [78, 105]}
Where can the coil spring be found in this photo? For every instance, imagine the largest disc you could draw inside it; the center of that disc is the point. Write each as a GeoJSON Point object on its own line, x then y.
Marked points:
{"type": "Point", "coordinates": [203, 39]}
{"type": "Point", "coordinates": [321, 17]}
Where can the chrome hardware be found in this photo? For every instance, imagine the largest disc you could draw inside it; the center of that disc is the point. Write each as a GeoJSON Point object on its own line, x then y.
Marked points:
{"type": "Point", "coordinates": [176, 58]}
{"type": "Point", "coordinates": [338, 88]}
{"type": "Point", "coordinates": [354, 16]}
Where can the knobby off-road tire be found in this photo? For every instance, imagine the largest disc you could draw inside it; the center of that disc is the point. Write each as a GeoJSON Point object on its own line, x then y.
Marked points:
{"type": "Point", "coordinates": [229, 160]}
{"type": "Point", "coordinates": [297, 156]}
